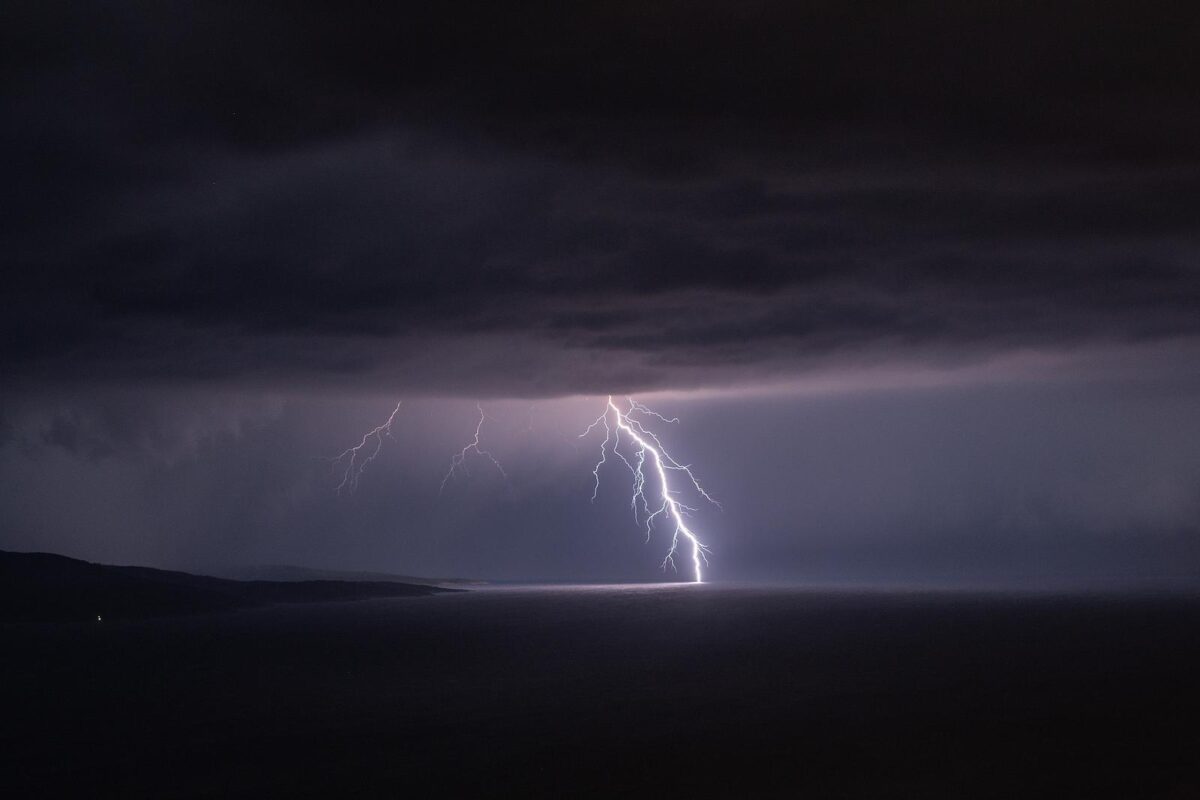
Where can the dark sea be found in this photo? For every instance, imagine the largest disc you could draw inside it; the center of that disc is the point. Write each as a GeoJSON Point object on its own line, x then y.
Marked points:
{"type": "Point", "coordinates": [616, 691]}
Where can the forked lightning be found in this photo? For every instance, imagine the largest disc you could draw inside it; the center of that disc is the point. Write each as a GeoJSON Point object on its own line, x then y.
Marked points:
{"type": "Point", "coordinates": [616, 422]}
{"type": "Point", "coordinates": [353, 462]}
{"type": "Point", "coordinates": [644, 441]}
{"type": "Point", "coordinates": [459, 460]}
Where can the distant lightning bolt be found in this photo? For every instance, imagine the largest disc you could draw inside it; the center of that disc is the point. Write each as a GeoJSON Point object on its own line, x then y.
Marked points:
{"type": "Point", "coordinates": [353, 461]}
{"type": "Point", "coordinates": [459, 460]}
{"type": "Point", "coordinates": [645, 442]}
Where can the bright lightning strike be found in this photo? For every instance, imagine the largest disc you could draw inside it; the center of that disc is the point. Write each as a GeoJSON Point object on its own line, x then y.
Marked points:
{"type": "Point", "coordinates": [458, 461]}
{"type": "Point", "coordinates": [644, 441]}
{"type": "Point", "coordinates": [353, 461]}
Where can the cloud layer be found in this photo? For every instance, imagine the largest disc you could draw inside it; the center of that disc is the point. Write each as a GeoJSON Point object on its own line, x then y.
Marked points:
{"type": "Point", "coordinates": [544, 201]}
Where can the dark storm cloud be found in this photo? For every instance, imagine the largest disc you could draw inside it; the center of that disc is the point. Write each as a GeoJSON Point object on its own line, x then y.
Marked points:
{"type": "Point", "coordinates": [163, 427]}
{"type": "Point", "coordinates": [568, 198]}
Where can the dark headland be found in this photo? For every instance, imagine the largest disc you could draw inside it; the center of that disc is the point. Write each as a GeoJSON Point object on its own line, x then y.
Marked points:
{"type": "Point", "coordinates": [48, 587]}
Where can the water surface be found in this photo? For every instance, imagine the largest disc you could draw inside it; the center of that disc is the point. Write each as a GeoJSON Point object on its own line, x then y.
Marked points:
{"type": "Point", "coordinates": [656, 690]}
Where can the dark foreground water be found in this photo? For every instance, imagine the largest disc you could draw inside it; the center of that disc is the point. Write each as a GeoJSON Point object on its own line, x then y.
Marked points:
{"type": "Point", "coordinates": [657, 691]}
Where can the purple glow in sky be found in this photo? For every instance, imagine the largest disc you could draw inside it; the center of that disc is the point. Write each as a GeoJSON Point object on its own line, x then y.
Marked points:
{"type": "Point", "coordinates": [921, 284]}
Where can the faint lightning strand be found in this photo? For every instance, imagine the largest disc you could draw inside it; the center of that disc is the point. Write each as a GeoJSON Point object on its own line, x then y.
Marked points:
{"type": "Point", "coordinates": [459, 460]}
{"type": "Point", "coordinates": [646, 442]}
{"type": "Point", "coordinates": [600, 420]}
{"type": "Point", "coordinates": [634, 405]}
{"type": "Point", "coordinates": [353, 461]}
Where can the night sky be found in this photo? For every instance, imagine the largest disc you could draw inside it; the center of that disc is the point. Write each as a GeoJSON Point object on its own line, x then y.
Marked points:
{"type": "Point", "coordinates": [920, 281]}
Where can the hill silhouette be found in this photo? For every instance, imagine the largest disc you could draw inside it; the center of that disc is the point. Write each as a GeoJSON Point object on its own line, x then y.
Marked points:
{"type": "Point", "coordinates": [290, 573]}
{"type": "Point", "coordinates": [45, 586]}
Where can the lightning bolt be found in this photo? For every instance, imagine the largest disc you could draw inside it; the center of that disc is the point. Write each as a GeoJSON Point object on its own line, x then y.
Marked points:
{"type": "Point", "coordinates": [630, 423]}
{"type": "Point", "coordinates": [352, 459]}
{"type": "Point", "coordinates": [459, 460]}
{"type": "Point", "coordinates": [645, 441]}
